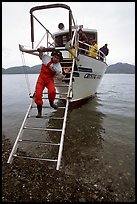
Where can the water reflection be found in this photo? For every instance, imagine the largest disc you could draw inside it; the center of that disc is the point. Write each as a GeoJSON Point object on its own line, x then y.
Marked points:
{"type": "Point", "coordinates": [83, 138]}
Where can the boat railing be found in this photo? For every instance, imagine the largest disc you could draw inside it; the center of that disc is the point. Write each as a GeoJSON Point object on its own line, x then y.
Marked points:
{"type": "Point", "coordinates": [74, 45]}
{"type": "Point", "coordinates": [100, 55]}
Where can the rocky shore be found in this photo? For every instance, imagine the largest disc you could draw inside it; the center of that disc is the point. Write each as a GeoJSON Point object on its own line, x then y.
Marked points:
{"type": "Point", "coordinates": [32, 181]}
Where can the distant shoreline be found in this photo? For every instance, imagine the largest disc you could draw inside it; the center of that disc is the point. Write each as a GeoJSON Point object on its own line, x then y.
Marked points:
{"type": "Point", "coordinates": [118, 68]}
{"type": "Point", "coordinates": [38, 73]}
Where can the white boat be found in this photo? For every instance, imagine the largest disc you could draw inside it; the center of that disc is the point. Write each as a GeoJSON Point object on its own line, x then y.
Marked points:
{"type": "Point", "coordinates": [79, 84]}
{"type": "Point", "coordinates": [87, 72]}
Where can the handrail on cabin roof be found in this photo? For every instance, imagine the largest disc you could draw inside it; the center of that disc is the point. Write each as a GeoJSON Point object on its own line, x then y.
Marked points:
{"type": "Point", "coordinates": [48, 7]}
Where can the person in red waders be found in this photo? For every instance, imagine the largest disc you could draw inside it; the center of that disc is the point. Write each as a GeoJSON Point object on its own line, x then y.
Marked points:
{"type": "Point", "coordinates": [50, 68]}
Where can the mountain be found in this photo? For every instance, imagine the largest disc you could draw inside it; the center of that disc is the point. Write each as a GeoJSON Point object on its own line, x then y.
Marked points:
{"type": "Point", "coordinates": [118, 68]}
{"type": "Point", "coordinates": [22, 70]}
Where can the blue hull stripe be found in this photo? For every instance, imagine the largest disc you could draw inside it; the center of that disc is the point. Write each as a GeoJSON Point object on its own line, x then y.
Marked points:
{"type": "Point", "coordinates": [82, 69]}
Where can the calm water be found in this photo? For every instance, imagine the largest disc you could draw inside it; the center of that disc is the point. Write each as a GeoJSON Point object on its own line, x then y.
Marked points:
{"type": "Point", "coordinates": [99, 144]}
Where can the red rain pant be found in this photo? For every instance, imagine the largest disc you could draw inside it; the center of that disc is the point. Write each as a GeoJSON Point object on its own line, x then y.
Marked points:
{"type": "Point", "coordinates": [45, 79]}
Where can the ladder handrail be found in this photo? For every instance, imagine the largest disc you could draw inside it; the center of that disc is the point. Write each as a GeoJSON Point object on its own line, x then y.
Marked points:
{"type": "Point", "coordinates": [62, 136]}
{"type": "Point", "coordinates": [65, 117]}
{"type": "Point", "coordinates": [18, 136]}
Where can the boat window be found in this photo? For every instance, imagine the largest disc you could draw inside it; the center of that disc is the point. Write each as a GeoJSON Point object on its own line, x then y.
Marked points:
{"type": "Point", "coordinates": [64, 39]}
{"type": "Point", "coordinates": [91, 36]}
{"type": "Point", "coordinates": [61, 40]}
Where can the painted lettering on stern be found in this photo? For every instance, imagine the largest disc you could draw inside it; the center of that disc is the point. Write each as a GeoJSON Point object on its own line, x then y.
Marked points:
{"type": "Point", "coordinates": [92, 76]}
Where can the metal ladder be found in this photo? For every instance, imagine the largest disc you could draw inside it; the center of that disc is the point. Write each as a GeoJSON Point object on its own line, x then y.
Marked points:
{"type": "Point", "coordinates": [28, 115]}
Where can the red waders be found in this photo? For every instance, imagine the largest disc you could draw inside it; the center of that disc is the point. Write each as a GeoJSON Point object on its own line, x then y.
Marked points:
{"type": "Point", "coordinates": [45, 79]}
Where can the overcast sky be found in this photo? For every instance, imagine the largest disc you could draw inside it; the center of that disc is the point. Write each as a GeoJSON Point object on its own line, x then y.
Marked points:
{"type": "Point", "coordinates": [114, 21]}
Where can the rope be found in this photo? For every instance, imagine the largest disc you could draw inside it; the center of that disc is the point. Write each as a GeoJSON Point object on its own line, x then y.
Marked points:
{"type": "Point", "coordinates": [26, 74]}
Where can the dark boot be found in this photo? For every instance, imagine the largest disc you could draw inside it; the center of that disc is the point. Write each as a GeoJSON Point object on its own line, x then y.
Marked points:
{"type": "Point", "coordinates": [53, 105]}
{"type": "Point", "coordinates": [39, 107]}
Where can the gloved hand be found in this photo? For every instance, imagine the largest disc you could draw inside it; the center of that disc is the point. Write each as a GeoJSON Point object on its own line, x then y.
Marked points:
{"type": "Point", "coordinates": [41, 49]}
{"type": "Point", "coordinates": [59, 76]}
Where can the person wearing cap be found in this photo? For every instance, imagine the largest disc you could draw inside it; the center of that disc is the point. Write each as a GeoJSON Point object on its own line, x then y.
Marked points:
{"type": "Point", "coordinates": [50, 68]}
{"type": "Point", "coordinates": [104, 50]}
{"type": "Point", "coordinates": [93, 51]}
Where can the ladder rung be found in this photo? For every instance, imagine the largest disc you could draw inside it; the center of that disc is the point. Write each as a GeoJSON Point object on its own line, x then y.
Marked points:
{"type": "Point", "coordinates": [49, 106]}
{"type": "Point", "coordinates": [47, 98]}
{"type": "Point", "coordinates": [43, 129]}
{"type": "Point", "coordinates": [63, 94]}
{"type": "Point", "coordinates": [68, 61]}
{"type": "Point", "coordinates": [46, 143]}
{"type": "Point", "coordinates": [46, 117]}
{"type": "Point", "coordinates": [55, 98]}
{"type": "Point", "coordinates": [42, 106]}
{"type": "Point", "coordinates": [61, 85]}
{"type": "Point", "coordinates": [37, 158]}
{"type": "Point", "coordinates": [52, 118]}
{"type": "Point", "coordinates": [63, 98]}
{"type": "Point", "coordinates": [65, 79]}
{"type": "Point", "coordinates": [56, 93]}
{"type": "Point", "coordinates": [59, 107]}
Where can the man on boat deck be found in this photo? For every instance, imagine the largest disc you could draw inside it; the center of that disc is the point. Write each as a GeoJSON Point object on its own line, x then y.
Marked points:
{"type": "Point", "coordinates": [104, 50]}
{"type": "Point", "coordinates": [50, 68]}
{"type": "Point", "coordinates": [84, 39]}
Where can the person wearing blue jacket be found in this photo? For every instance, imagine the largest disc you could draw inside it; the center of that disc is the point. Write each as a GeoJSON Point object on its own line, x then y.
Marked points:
{"type": "Point", "coordinates": [104, 50]}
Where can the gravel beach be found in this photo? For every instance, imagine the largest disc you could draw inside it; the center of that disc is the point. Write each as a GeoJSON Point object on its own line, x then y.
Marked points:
{"type": "Point", "coordinates": [32, 181]}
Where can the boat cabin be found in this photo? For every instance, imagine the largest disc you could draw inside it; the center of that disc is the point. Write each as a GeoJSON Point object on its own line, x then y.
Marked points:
{"type": "Point", "coordinates": [62, 37]}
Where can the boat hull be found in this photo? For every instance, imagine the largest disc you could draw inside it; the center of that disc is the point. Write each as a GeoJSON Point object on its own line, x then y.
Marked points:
{"type": "Point", "coordinates": [86, 80]}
